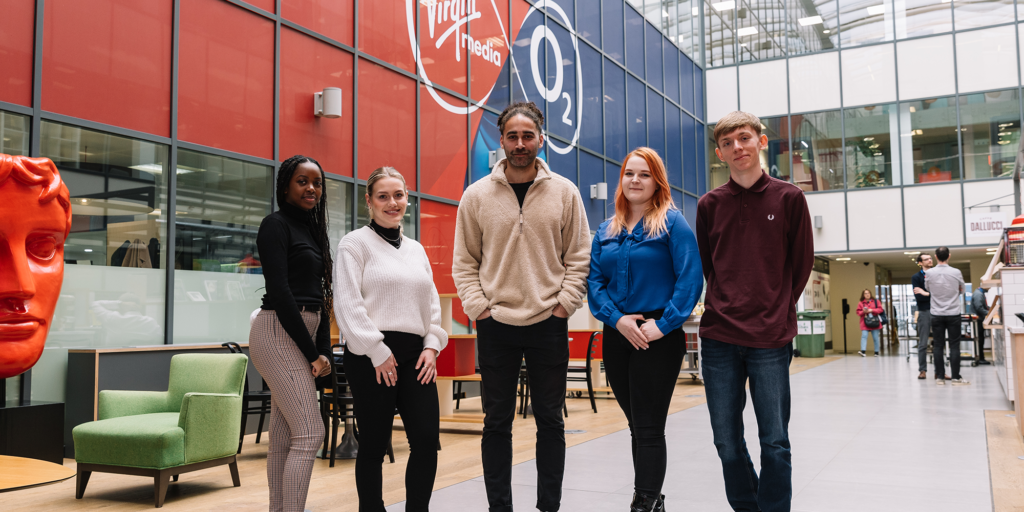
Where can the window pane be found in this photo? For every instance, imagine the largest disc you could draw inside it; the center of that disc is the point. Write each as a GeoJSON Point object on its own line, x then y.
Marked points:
{"type": "Point", "coordinates": [871, 136]}
{"type": "Point", "coordinates": [991, 133]}
{"type": "Point", "coordinates": [982, 13]}
{"type": "Point", "coordinates": [13, 134]}
{"type": "Point", "coordinates": [636, 119]}
{"type": "Point", "coordinates": [775, 158]}
{"type": "Point", "coordinates": [689, 156]}
{"type": "Point", "coordinates": [218, 280]}
{"type": "Point", "coordinates": [408, 222]}
{"type": "Point", "coordinates": [930, 150]}
{"type": "Point", "coordinates": [922, 17]}
{"type": "Point", "coordinates": [591, 128]}
{"type": "Point", "coordinates": [702, 185]}
{"type": "Point", "coordinates": [671, 64]}
{"type": "Point", "coordinates": [817, 151]}
{"type": "Point", "coordinates": [813, 26]}
{"type": "Point", "coordinates": [718, 33]}
{"type": "Point", "coordinates": [614, 110]}
{"type": "Point", "coordinates": [589, 25]}
{"type": "Point", "coordinates": [717, 169]}
{"type": "Point", "coordinates": [684, 14]}
{"type": "Point", "coordinates": [635, 42]}
{"type": "Point", "coordinates": [865, 21]}
{"type": "Point", "coordinates": [655, 65]}
{"type": "Point", "coordinates": [562, 113]}
{"type": "Point", "coordinates": [656, 122]}
{"type": "Point", "coordinates": [113, 290]}
{"type": "Point", "coordinates": [614, 42]}
{"type": "Point", "coordinates": [760, 28]}
{"type": "Point", "coordinates": [592, 172]}
{"type": "Point", "coordinates": [339, 211]}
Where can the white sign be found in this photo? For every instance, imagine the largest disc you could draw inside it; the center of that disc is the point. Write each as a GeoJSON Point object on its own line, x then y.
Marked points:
{"type": "Point", "coordinates": [803, 327]}
{"type": "Point", "coordinates": [985, 227]}
{"type": "Point", "coordinates": [818, 327]}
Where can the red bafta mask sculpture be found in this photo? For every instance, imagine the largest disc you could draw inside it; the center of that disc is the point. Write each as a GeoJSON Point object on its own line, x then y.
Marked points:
{"type": "Point", "coordinates": [35, 219]}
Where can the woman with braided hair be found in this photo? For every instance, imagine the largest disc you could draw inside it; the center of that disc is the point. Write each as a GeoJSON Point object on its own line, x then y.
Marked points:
{"type": "Point", "coordinates": [290, 339]}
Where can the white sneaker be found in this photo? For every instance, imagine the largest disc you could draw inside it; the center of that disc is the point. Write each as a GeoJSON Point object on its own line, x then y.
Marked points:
{"type": "Point", "coordinates": [861, 352]}
{"type": "Point", "coordinates": [960, 382]}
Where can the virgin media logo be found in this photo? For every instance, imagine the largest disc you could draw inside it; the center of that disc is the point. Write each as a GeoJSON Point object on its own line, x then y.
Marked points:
{"type": "Point", "coordinates": [452, 16]}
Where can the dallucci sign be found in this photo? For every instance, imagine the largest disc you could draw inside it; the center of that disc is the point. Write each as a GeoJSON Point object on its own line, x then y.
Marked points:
{"type": "Point", "coordinates": [454, 31]}
{"type": "Point", "coordinates": [983, 228]}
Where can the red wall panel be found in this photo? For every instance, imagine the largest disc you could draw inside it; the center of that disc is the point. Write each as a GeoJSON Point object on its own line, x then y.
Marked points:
{"type": "Point", "coordinates": [17, 28]}
{"type": "Point", "coordinates": [332, 18]}
{"type": "Point", "coordinates": [443, 153]}
{"type": "Point", "coordinates": [267, 5]}
{"type": "Point", "coordinates": [437, 234]}
{"type": "Point", "coordinates": [307, 66]}
{"type": "Point", "coordinates": [387, 122]}
{"type": "Point", "coordinates": [384, 32]}
{"type": "Point", "coordinates": [441, 46]}
{"type": "Point", "coordinates": [226, 78]}
{"type": "Point", "coordinates": [109, 61]}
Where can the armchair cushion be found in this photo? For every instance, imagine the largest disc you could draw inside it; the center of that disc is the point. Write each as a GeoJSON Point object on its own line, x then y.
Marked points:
{"type": "Point", "coordinates": [153, 441]}
{"type": "Point", "coordinates": [211, 426]}
{"type": "Point", "coordinates": [116, 403]}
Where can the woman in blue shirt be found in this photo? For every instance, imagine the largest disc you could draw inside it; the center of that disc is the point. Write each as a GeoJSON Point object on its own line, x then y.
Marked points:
{"type": "Point", "coordinates": [645, 278]}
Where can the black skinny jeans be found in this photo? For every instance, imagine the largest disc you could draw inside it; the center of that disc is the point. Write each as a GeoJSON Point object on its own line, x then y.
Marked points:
{"type": "Point", "coordinates": [643, 382]}
{"type": "Point", "coordinates": [375, 415]}
{"type": "Point", "coordinates": [941, 326]}
{"type": "Point", "coordinates": [502, 347]}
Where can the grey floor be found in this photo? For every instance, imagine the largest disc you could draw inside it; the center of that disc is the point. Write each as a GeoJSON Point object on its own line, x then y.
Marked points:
{"type": "Point", "coordinates": [866, 435]}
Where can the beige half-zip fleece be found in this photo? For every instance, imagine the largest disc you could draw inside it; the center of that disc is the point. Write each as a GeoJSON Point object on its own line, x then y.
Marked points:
{"type": "Point", "coordinates": [521, 262]}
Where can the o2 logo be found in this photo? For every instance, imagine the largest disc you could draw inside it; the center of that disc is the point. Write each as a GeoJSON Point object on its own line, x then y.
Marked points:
{"type": "Point", "coordinates": [445, 39]}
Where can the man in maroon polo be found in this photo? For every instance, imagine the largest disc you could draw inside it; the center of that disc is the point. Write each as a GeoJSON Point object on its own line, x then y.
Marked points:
{"type": "Point", "coordinates": [754, 236]}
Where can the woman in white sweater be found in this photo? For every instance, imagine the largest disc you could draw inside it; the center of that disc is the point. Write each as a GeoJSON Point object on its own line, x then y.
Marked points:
{"type": "Point", "coordinates": [389, 312]}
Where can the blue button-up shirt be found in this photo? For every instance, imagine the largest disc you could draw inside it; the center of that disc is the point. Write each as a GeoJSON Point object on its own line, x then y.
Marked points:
{"type": "Point", "coordinates": [633, 273]}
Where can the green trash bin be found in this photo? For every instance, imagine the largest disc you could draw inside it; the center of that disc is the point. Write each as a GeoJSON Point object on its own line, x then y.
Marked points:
{"type": "Point", "coordinates": [810, 340]}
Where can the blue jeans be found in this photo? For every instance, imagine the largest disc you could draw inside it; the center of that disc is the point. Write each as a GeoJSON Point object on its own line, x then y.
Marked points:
{"type": "Point", "coordinates": [726, 370]}
{"type": "Point", "coordinates": [864, 339]}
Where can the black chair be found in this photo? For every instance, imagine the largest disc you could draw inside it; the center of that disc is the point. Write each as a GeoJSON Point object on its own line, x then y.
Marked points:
{"type": "Point", "coordinates": [339, 406]}
{"type": "Point", "coordinates": [524, 394]}
{"type": "Point", "coordinates": [261, 397]}
{"type": "Point", "coordinates": [586, 370]}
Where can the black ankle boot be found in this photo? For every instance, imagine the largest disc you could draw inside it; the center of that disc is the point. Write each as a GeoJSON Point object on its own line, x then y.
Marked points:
{"type": "Point", "coordinates": [659, 505]}
{"type": "Point", "coordinates": [644, 503]}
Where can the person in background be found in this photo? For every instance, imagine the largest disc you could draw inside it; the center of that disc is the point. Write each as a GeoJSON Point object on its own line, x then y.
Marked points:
{"type": "Point", "coordinates": [945, 284]}
{"type": "Point", "coordinates": [390, 315]}
{"type": "Point", "coordinates": [290, 339]}
{"type": "Point", "coordinates": [645, 278]}
{"type": "Point", "coordinates": [979, 303]}
{"type": "Point", "coordinates": [924, 314]}
{"type": "Point", "coordinates": [868, 306]}
{"type": "Point", "coordinates": [757, 250]}
{"type": "Point", "coordinates": [520, 264]}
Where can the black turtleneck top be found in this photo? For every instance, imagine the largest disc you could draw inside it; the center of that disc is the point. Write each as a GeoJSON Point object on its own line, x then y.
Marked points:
{"type": "Point", "coordinates": [392, 236]}
{"type": "Point", "coordinates": [293, 269]}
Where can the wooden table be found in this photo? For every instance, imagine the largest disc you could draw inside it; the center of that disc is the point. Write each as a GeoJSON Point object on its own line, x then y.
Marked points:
{"type": "Point", "coordinates": [21, 473]}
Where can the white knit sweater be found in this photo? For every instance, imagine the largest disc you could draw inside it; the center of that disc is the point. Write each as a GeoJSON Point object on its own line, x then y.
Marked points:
{"type": "Point", "coordinates": [380, 288]}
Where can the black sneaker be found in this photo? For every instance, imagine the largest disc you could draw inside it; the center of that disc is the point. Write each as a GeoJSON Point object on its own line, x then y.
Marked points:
{"type": "Point", "coordinates": [861, 352]}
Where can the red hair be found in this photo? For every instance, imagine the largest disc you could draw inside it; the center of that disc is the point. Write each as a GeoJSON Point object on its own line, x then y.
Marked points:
{"type": "Point", "coordinates": [661, 202]}
{"type": "Point", "coordinates": [38, 171]}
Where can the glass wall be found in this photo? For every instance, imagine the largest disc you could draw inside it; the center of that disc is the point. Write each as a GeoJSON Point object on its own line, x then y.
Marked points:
{"type": "Point", "coordinates": [817, 151]}
{"type": "Point", "coordinates": [865, 21]}
{"type": "Point", "coordinates": [990, 133]}
{"type": "Point", "coordinates": [871, 133]}
{"type": "Point", "coordinates": [775, 157]}
{"type": "Point", "coordinates": [13, 133]}
{"type": "Point", "coordinates": [931, 151]}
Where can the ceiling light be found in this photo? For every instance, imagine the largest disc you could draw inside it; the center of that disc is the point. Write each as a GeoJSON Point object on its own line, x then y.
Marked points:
{"type": "Point", "coordinates": [1004, 125]}
{"type": "Point", "coordinates": [695, 11]}
{"type": "Point", "coordinates": [868, 139]}
{"type": "Point", "coordinates": [913, 109]}
{"type": "Point", "coordinates": [1003, 133]}
{"type": "Point", "coordinates": [826, 31]}
{"type": "Point", "coordinates": [746, 31]}
{"type": "Point", "coordinates": [728, 5]}
{"type": "Point", "coordinates": [878, 154]}
{"type": "Point", "coordinates": [810, 20]}
{"type": "Point", "coordinates": [917, 132]}
{"type": "Point", "coordinates": [1003, 142]}
{"type": "Point", "coordinates": [664, 13]}
{"type": "Point", "coordinates": [744, 45]}
{"type": "Point", "coordinates": [873, 146]}
{"type": "Point", "coordinates": [803, 143]}
{"type": "Point", "coordinates": [842, 259]}
{"type": "Point", "coordinates": [150, 168]}
{"type": "Point", "coordinates": [88, 250]}
{"type": "Point", "coordinates": [875, 10]}
{"type": "Point", "coordinates": [911, 252]}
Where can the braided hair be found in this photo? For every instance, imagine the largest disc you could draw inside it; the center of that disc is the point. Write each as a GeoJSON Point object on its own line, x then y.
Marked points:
{"type": "Point", "coordinates": [525, 108]}
{"type": "Point", "coordinates": [318, 216]}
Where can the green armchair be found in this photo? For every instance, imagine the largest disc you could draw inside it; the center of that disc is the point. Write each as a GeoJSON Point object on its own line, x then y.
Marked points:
{"type": "Point", "coordinates": [191, 426]}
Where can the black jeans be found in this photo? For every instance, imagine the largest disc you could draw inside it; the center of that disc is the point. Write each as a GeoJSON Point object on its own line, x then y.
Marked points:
{"type": "Point", "coordinates": [980, 329]}
{"type": "Point", "coordinates": [941, 326]}
{"type": "Point", "coordinates": [375, 415]}
{"type": "Point", "coordinates": [643, 382]}
{"type": "Point", "coordinates": [502, 347]}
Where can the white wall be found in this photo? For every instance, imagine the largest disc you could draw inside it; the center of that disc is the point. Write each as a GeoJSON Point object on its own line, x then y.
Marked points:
{"type": "Point", "coordinates": [933, 215]}
{"type": "Point", "coordinates": [721, 92]}
{"type": "Point", "coordinates": [925, 67]}
{"type": "Point", "coordinates": [986, 59]}
{"type": "Point", "coordinates": [994, 196]}
{"type": "Point", "coordinates": [814, 82]}
{"type": "Point", "coordinates": [874, 219]}
{"type": "Point", "coordinates": [832, 209]}
{"type": "Point", "coordinates": [763, 88]}
{"type": "Point", "coordinates": [869, 75]}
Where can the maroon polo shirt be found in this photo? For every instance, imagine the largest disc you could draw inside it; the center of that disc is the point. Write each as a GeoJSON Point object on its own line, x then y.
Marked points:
{"type": "Point", "coordinates": [757, 251]}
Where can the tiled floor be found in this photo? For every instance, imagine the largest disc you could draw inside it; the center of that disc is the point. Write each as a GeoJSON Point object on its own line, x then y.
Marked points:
{"type": "Point", "coordinates": [866, 434]}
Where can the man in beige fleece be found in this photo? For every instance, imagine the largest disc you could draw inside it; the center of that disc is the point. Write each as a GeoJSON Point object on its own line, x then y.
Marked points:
{"type": "Point", "coordinates": [522, 255]}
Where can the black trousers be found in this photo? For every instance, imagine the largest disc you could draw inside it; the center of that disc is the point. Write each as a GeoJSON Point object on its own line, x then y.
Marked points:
{"type": "Point", "coordinates": [941, 326]}
{"type": "Point", "coordinates": [643, 382]}
{"type": "Point", "coordinates": [502, 348]}
{"type": "Point", "coordinates": [980, 336]}
{"type": "Point", "coordinates": [375, 406]}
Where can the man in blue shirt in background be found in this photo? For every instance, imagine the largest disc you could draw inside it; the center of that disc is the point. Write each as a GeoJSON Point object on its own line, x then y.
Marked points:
{"type": "Point", "coordinates": [924, 314]}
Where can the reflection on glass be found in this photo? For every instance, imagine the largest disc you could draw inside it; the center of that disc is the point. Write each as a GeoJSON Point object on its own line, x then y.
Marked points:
{"type": "Point", "coordinates": [339, 211]}
{"type": "Point", "coordinates": [759, 30]}
{"type": "Point", "coordinates": [817, 151]}
{"type": "Point", "coordinates": [775, 157]}
{"type": "Point", "coordinates": [811, 26]}
{"type": "Point", "coordinates": [982, 13]}
{"type": "Point", "coordinates": [929, 148]}
{"type": "Point", "coordinates": [219, 279]}
{"type": "Point", "coordinates": [13, 134]}
{"type": "Point", "coordinates": [113, 290]}
{"type": "Point", "coordinates": [717, 169]}
{"type": "Point", "coordinates": [922, 17]}
{"type": "Point", "coordinates": [614, 31]}
{"type": "Point", "coordinates": [408, 222]}
{"type": "Point", "coordinates": [871, 133]}
{"type": "Point", "coordinates": [990, 124]}
{"type": "Point", "coordinates": [865, 21]}
{"type": "Point", "coordinates": [719, 23]}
